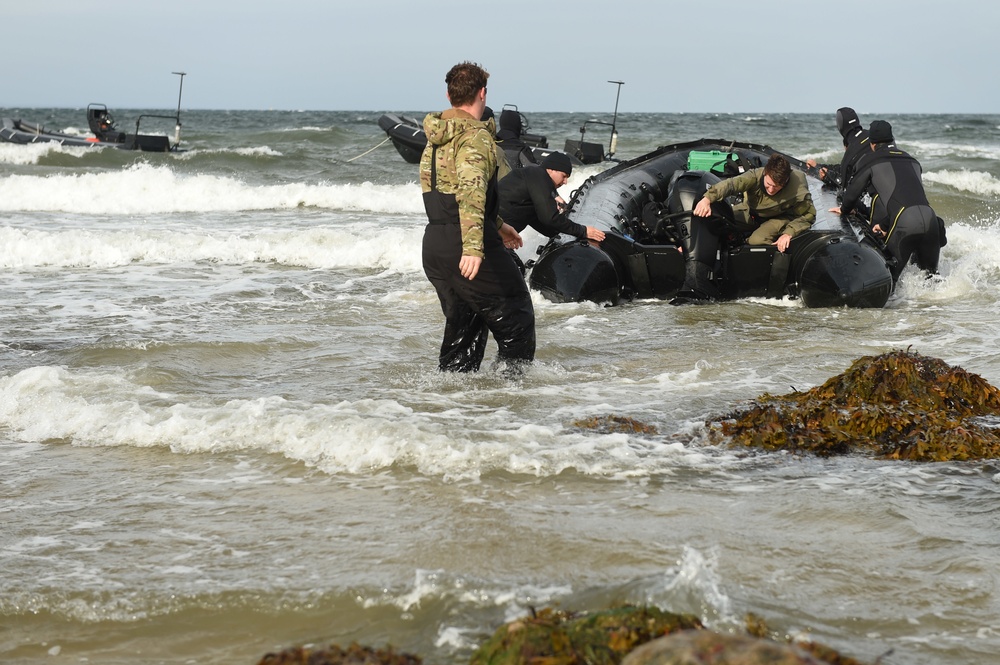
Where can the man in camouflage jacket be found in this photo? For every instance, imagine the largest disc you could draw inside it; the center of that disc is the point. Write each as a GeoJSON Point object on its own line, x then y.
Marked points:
{"type": "Point", "coordinates": [480, 287]}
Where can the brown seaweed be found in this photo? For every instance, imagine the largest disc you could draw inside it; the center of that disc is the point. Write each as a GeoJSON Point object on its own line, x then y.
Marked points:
{"type": "Point", "coordinates": [554, 637]}
{"type": "Point", "coordinates": [899, 405]}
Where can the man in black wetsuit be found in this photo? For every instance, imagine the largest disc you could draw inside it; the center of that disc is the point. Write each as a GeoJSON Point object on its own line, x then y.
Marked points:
{"type": "Point", "coordinates": [528, 198]}
{"type": "Point", "coordinates": [855, 147]}
{"type": "Point", "coordinates": [509, 138]}
{"type": "Point", "coordinates": [899, 208]}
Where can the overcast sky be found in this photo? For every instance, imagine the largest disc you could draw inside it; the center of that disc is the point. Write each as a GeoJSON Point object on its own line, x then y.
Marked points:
{"type": "Point", "coordinates": [889, 56]}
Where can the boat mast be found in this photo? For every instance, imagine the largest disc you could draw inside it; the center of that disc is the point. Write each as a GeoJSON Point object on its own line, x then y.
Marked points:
{"type": "Point", "coordinates": [614, 132]}
{"type": "Point", "coordinates": [177, 127]}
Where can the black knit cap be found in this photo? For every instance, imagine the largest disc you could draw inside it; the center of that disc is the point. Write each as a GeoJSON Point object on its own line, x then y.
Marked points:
{"type": "Point", "coordinates": [880, 131]}
{"type": "Point", "coordinates": [558, 161]}
{"type": "Point", "coordinates": [487, 114]}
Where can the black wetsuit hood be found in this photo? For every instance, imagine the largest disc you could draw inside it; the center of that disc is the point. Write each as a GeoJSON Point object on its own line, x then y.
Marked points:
{"type": "Point", "coordinates": [847, 120]}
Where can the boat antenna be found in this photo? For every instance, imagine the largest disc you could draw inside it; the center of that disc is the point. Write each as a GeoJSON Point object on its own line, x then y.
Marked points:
{"type": "Point", "coordinates": [614, 119]}
{"type": "Point", "coordinates": [177, 127]}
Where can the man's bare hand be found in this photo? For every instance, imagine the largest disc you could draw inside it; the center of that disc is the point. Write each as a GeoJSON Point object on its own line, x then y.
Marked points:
{"type": "Point", "coordinates": [511, 238]}
{"type": "Point", "coordinates": [703, 208]}
{"type": "Point", "coordinates": [469, 266]}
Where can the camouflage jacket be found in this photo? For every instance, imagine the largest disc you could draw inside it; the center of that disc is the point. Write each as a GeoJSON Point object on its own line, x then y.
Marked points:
{"type": "Point", "coordinates": [793, 202]}
{"type": "Point", "coordinates": [466, 163]}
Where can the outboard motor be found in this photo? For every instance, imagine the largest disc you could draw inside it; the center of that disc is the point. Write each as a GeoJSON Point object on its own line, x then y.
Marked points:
{"type": "Point", "coordinates": [102, 124]}
{"type": "Point", "coordinates": [699, 237]}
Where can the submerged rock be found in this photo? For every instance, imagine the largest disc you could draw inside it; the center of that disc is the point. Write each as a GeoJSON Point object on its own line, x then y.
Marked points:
{"type": "Point", "coordinates": [615, 424]}
{"type": "Point", "coordinates": [898, 405]}
{"type": "Point", "coordinates": [334, 655]}
{"type": "Point", "coordinates": [552, 637]}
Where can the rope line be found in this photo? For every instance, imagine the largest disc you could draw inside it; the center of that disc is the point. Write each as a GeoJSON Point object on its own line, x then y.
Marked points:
{"type": "Point", "coordinates": [367, 151]}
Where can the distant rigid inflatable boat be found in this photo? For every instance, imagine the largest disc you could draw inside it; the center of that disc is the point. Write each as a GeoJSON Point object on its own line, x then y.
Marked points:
{"type": "Point", "coordinates": [101, 124]}
{"type": "Point", "coordinates": [106, 134]}
{"type": "Point", "coordinates": [836, 263]}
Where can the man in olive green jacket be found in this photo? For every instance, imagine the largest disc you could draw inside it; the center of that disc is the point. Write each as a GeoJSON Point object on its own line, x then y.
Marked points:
{"type": "Point", "coordinates": [778, 198]}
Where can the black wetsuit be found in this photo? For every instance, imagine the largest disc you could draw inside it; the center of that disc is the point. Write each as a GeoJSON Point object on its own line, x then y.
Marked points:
{"type": "Point", "coordinates": [527, 198]}
{"type": "Point", "coordinates": [855, 147]}
{"type": "Point", "coordinates": [518, 152]}
{"type": "Point", "coordinates": [899, 207]}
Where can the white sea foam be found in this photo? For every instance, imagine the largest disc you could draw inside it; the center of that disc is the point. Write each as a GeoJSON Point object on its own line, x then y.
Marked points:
{"type": "Point", "coordinates": [144, 189]}
{"type": "Point", "coordinates": [925, 149]}
{"type": "Point", "coordinates": [394, 248]}
{"type": "Point", "coordinates": [697, 576]}
{"type": "Point", "coordinates": [255, 151]}
{"type": "Point", "coordinates": [101, 408]}
{"type": "Point", "coordinates": [32, 153]}
{"type": "Point", "coordinates": [976, 182]}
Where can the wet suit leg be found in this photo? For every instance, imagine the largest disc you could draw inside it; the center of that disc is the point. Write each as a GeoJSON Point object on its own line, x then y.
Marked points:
{"type": "Point", "coordinates": [917, 235]}
{"type": "Point", "coordinates": [497, 301]}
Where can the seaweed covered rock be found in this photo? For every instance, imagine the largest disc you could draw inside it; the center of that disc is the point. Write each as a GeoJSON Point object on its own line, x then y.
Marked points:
{"type": "Point", "coordinates": [703, 647]}
{"type": "Point", "coordinates": [899, 405]}
{"type": "Point", "coordinates": [334, 655]}
{"type": "Point", "coordinates": [552, 637]}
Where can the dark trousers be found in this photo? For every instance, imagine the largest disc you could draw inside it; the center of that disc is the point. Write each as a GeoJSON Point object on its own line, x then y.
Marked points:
{"type": "Point", "coordinates": [916, 235]}
{"type": "Point", "coordinates": [496, 301]}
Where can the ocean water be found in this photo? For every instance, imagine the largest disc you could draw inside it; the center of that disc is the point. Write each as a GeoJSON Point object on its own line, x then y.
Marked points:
{"type": "Point", "coordinates": [222, 431]}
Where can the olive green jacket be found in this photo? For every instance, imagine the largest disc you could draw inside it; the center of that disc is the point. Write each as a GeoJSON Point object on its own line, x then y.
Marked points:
{"type": "Point", "coordinates": [793, 202]}
{"type": "Point", "coordinates": [466, 162]}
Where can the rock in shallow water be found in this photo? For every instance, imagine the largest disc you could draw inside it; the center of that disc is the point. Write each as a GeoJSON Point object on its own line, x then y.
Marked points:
{"type": "Point", "coordinates": [551, 637]}
{"type": "Point", "coordinates": [898, 405]}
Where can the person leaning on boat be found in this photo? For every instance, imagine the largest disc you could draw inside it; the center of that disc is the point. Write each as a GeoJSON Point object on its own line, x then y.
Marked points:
{"type": "Point", "coordinates": [478, 284]}
{"type": "Point", "coordinates": [776, 202]}
{"type": "Point", "coordinates": [900, 210]}
{"type": "Point", "coordinates": [529, 197]}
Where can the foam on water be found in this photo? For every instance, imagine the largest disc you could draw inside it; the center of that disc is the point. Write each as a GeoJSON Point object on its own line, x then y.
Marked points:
{"type": "Point", "coordinates": [926, 149]}
{"type": "Point", "coordinates": [357, 437]}
{"type": "Point", "coordinates": [354, 246]}
{"type": "Point", "coordinates": [147, 189]}
{"type": "Point", "coordinates": [974, 182]}
{"type": "Point", "coordinates": [692, 584]}
{"type": "Point", "coordinates": [32, 153]}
